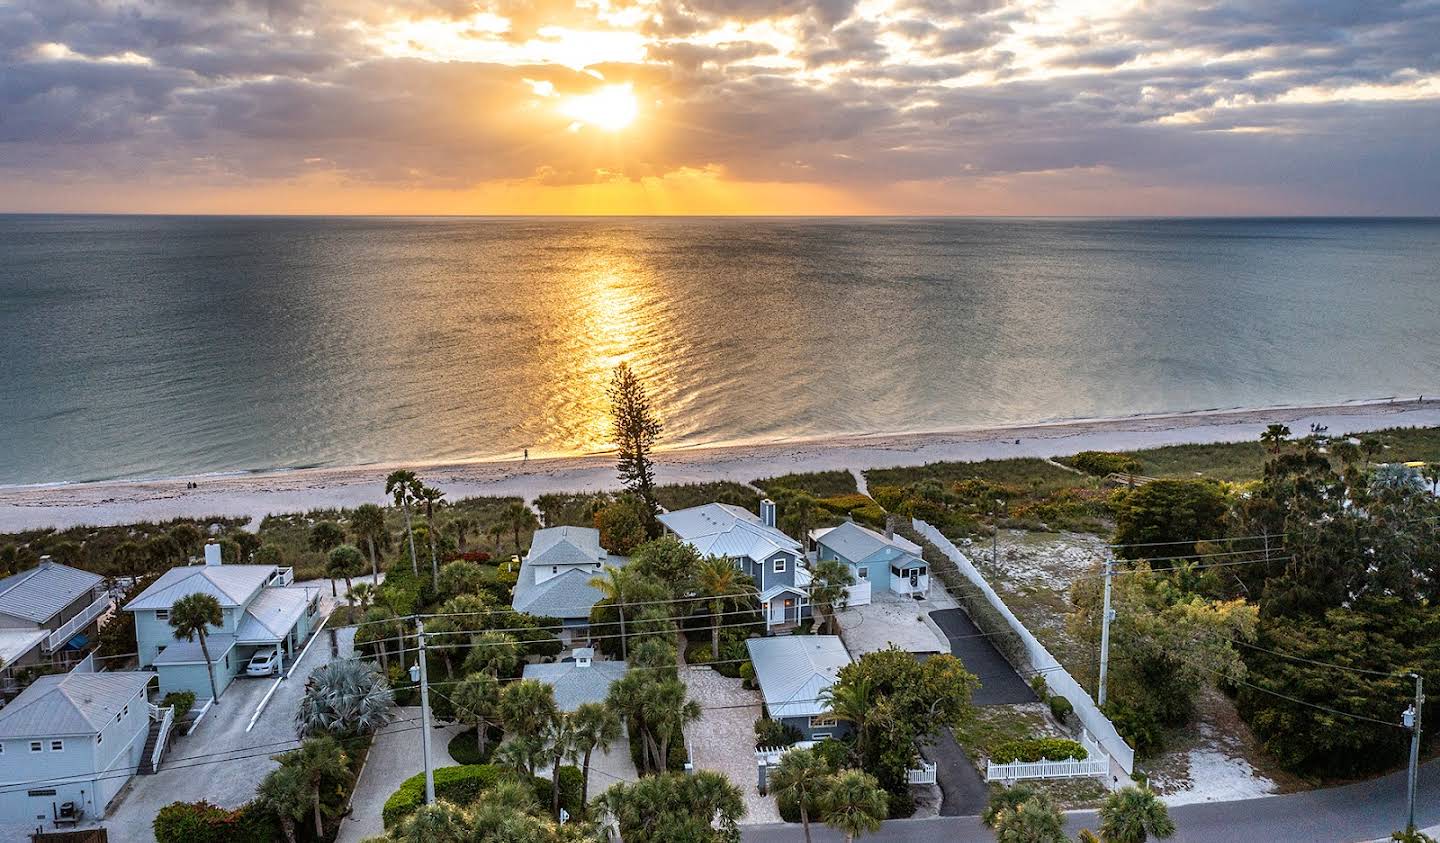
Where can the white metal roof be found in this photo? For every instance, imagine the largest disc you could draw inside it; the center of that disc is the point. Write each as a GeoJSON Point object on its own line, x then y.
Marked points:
{"type": "Point", "coordinates": [40, 593]}
{"type": "Point", "coordinates": [272, 614]}
{"type": "Point", "coordinates": [566, 546]}
{"type": "Point", "coordinates": [794, 671]}
{"type": "Point", "coordinates": [15, 643]}
{"type": "Point", "coordinates": [189, 652]}
{"type": "Point", "coordinates": [71, 703]}
{"type": "Point", "coordinates": [232, 585]}
{"type": "Point", "coordinates": [567, 595]}
{"type": "Point", "coordinates": [721, 529]}
{"type": "Point", "coordinates": [856, 543]}
{"type": "Point", "coordinates": [575, 685]}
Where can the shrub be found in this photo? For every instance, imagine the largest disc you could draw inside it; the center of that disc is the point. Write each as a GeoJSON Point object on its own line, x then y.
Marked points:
{"type": "Point", "coordinates": [698, 653]}
{"type": "Point", "coordinates": [747, 673]}
{"type": "Point", "coordinates": [1035, 749]}
{"type": "Point", "coordinates": [460, 785]}
{"type": "Point", "coordinates": [462, 747]}
{"type": "Point", "coordinates": [1101, 463]}
{"type": "Point", "coordinates": [775, 733]}
{"type": "Point", "coordinates": [1061, 707]}
{"type": "Point", "coordinates": [182, 700]}
{"type": "Point", "coordinates": [202, 822]}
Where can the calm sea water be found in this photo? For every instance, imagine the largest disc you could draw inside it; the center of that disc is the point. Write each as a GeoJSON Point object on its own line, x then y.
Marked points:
{"type": "Point", "coordinates": [149, 346]}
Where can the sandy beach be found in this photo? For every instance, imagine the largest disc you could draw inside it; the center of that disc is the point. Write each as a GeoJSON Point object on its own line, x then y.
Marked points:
{"type": "Point", "coordinates": [256, 495]}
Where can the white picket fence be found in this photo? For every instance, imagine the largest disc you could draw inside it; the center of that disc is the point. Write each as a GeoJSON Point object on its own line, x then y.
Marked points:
{"type": "Point", "coordinates": [769, 756]}
{"type": "Point", "coordinates": [1095, 763]}
{"type": "Point", "coordinates": [1059, 681]}
{"type": "Point", "coordinates": [924, 775]}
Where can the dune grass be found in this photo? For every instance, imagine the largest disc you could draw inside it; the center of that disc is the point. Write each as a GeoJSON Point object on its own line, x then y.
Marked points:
{"type": "Point", "coordinates": [821, 484]}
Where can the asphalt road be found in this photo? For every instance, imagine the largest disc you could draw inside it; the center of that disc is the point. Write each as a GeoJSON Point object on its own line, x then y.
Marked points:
{"type": "Point", "coordinates": [963, 790]}
{"type": "Point", "coordinates": [999, 683]}
{"type": "Point", "coordinates": [1358, 812]}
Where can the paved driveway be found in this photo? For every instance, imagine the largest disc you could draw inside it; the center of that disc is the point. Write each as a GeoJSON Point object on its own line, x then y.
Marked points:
{"type": "Point", "coordinates": [397, 754]}
{"type": "Point", "coordinates": [999, 683]}
{"type": "Point", "coordinates": [723, 739]}
{"type": "Point", "coordinates": [220, 761]}
{"type": "Point", "coordinates": [889, 619]}
{"type": "Point", "coordinates": [963, 790]}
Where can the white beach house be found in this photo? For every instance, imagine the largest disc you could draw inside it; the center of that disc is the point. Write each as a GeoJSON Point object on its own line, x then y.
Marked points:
{"type": "Point", "coordinates": [48, 614]}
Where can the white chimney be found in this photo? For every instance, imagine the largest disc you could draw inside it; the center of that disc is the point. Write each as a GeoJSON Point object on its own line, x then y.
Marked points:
{"type": "Point", "coordinates": [583, 656]}
{"type": "Point", "coordinates": [767, 512]}
{"type": "Point", "coordinates": [212, 553]}
{"type": "Point", "coordinates": [46, 560]}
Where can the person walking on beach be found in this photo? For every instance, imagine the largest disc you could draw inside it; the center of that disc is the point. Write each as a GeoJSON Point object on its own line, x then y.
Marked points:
{"type": "Point", "coordinates": [525, 458]}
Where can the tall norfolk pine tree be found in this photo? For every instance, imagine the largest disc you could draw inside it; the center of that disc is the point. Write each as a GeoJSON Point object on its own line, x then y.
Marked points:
{"type": "Point", "coordinates": [635, 430]}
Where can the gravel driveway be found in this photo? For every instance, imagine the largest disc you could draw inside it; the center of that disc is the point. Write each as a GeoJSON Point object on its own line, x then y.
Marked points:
{"type": "Point", "coordinates": [723, 739]}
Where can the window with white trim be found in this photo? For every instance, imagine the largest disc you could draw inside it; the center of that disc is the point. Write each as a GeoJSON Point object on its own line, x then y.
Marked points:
{"type": "Point", "coordinates": [823, 720]}
{"type": "Point", "coordinates": [37, 746]}
{"type": "Point", "coordinates": [820, 736]}
{"type": "Point", "coordinates": [57, 746]}
{"type": "Point", "coordinates": [779, 565]}
{"type": "Point", "coordinates": [863, 573]}
{"type": "Point", "coordinates": [162, 614]}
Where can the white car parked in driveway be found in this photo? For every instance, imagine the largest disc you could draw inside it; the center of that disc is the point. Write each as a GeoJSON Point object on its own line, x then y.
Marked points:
{"type": "Point", "coordinates": [263, 663]}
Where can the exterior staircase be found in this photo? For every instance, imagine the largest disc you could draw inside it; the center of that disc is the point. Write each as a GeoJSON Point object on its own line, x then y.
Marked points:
{"type": "Point", "coordinates": [161, 720]}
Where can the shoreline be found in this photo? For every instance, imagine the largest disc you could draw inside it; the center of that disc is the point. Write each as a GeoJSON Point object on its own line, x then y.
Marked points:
{"type": "Point", "coordinates": [256, 494]}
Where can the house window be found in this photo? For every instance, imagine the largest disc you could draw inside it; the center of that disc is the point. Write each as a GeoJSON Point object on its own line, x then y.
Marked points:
{"type": "Point", "coordinates": [779, 564]}
{"type": "Point", "coordinates": [125, 711]}
{"type": "Point", "coordinates": [822, 721]}
{"type": "Point", "coordinates": [45, 792]}
{"type": "Point", "coordinates": [162, 614]}
{"type": "Point", "coordinates": [57, 746]}
{"type": "Point", "coordinates": [864, 573]}
{"type": "Point", "coordinates": [554, 569]}
{"type": "Point", "coordinates": [100, 738]}
{"type": "Point", "coordinates": [820, 736]}
{"type": "Point", "coordinates": [37, 746]}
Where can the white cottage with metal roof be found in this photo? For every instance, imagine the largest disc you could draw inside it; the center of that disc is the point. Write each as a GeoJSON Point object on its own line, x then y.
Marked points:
{"type": "Point", "coordinates": [554, 578]}
{"type": "Point", "coordinates": [882, 561]}
{"type": "Point", "coordinates": [794, 673]}
{"type": "Point", "coordinates": [71, 741]}
{"type": "Point", "coordinates": [259, 609]}
{"type": "Point", "coordinates": [49, 613]}
{"type": "Point", "coordinates": [757, 547]}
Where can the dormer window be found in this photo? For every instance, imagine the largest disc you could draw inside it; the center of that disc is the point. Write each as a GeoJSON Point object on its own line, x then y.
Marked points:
{"type": "Point", "coordinates": [779, 564]}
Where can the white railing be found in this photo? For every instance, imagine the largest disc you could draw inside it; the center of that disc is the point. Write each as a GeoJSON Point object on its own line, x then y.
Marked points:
{"type": "Point", "coordinates": [166, 716]}
{"type": "Point", "coordinates": [67, 630]}
{"type": "Point", "coordinates": [1057, 678]}
{"type": "Point", "coordinates": [858, 594]}
{"type": "Point", "coordinates": [283, 576]}
{"type": "Point", "coordinates": [199, 715]}
{"type": "Point", "coordinates": [1095, 763]}
{"type": "Point", "coordinates": [925, 774]}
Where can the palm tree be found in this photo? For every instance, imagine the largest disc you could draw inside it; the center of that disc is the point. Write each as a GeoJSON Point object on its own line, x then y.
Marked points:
{"type": "Point", "coordinates": [830, 589]}
{"type": "Point", "coordinates": [461, 526]}
{"type": "Point", "coordinates": [803, 777]}
{"type": "Point", "coordinates": [1274, 437]}
{"type": "Point", "coordinates": [521, 753]}
{"type": "Point", "coordinates": [442, 822]}
{"type": "Point", "coordinates": [496, 531]}
{"type": "Point", "coordinates": [1370, 447]}
{"type": "Point", "coordinates": [527, 708]}
{"type": "Point", "coordinates": [368, 524]}
{"type": "Point", "coordinates": [493, 653]}
{"type": "Point", "coordinates": [1431, 473]}
{"type": "Point", "coordinates": [1035, 820]}
{"type": "Point", "coordinates": [597, 726]}
{"type": "Point", "coordinates": [612, 590]}
{"type": "Point", "coordinates": [667, 712]}
{"type": "Point", "coordinates": [718, 579]}
{"type": "Point", "coordinates": [193, 615]}
{"type": "Point", "coordinates": [361, 595]}
{"type": "Point", "coordinates": [854, 804]}
{"type": "Point", "coordinates": [345, 697]}
{"type": "Point", "coordinates": [853, 702]}
{"type": "Point", "coordinates": [345, 562]}
{"type": "Point", "coordinates": [560, 746]}
{"type": "Point", "coordinates": [401, 485]}
{"type": "Point", "coordinates": [282, 792]}
{"type": "Point", "coordinates": [520, 518]}
{"type": "Point", "coordinates": [431, 496]}
{"type": "Point", "coordinates": [318, 761]}
{"type": "Point", "coordinates": [477, 700]}
{"type": "Point", "coordinates": [1007, 799]}
{"type": "Point", "coordinates": [1134, 815]}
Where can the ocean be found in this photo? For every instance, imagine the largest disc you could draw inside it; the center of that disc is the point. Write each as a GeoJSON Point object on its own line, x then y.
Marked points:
{"type": "Point", "coordinates": [160, 346]}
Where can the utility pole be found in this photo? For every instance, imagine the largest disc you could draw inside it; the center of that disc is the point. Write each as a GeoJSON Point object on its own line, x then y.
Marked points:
{"type": "Point", "coordinates": [418, 672]}
{"type": "Point", "coordinates": [1106, 615]}
{"type": "Point", "coordinates": [1411, 719]}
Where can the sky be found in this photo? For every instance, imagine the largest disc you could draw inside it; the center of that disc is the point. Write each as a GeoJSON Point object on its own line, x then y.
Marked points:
{"type": "Point", "coordinates": [1035, 107]}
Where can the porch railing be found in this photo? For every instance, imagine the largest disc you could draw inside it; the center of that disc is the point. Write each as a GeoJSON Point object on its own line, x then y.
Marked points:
{"type": "Point", "coordinates": [57, 639]}
{"type": "Point", "coordinates": [166, 718]}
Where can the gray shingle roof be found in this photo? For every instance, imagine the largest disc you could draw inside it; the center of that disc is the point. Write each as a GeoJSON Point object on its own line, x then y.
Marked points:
{"type": "Point", "coordinates": [70, 703]}
{"type": "Point", "coordinates": [576, 685]}
{"type": "Point", "coordinates": [43, 591]}
{"type": "Point", "coordinates": [856, 543]}
{"type": "Point", "coordinates": [794, 670]}
{"type": "Point", "coordinates": [565, 546]}
{"type": "Point", "coordinates": [232, 585]}
{"type": "Point", "coordinates": [568, 595]}
{"type": "Point", "coordinates": [189, 652]}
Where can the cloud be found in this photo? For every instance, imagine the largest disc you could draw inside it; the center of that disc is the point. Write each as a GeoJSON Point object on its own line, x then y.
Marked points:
{"type": "Point", "coordinates": [1325, 102]}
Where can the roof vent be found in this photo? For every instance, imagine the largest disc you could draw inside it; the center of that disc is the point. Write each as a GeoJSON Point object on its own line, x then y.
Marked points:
{"type": "Point", "coordinates": [46, 560]}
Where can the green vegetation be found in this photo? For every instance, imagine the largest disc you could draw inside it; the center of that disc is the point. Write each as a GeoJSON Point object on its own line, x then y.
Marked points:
{"type": "Point", "coordinates": [703, 807]}
{"type": "Point", "coordinates": [1025, 473]}
{"type": "Point", "coordinates": [463, 786]}
{"type": "Point", "coordinates": [1036, 749]}
{"type": "Point", "coordinates": [183, 701]}
{"type": "Point", "coordinates": [819, 484]}
{"type": "Point", "coordinates": [634, 429]}
{"type": "Point", "coordinates": [1102, 463]}
{"type": "Point", "coordinates": [685, 495]}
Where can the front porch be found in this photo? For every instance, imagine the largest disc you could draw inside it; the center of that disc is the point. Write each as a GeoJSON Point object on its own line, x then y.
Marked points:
{"type": "Point", "coordinates": [784, 607]}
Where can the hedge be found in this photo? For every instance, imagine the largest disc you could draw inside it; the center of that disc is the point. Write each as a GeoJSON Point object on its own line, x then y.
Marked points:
{"type": "Point", "coordinates": [182, 700]}
{"type": "Point", "coordinates": [1037, 749]}
{"type": "Point", "coordinates": [463, 785]}
{"type": "Point", "coordinates": [203, 822]}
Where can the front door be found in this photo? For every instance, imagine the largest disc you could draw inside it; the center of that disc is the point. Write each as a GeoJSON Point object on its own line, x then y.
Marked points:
{"type": "Point", "coordinates": [914, 578]}
{"type": "Point", "coordinates": [777, 611]}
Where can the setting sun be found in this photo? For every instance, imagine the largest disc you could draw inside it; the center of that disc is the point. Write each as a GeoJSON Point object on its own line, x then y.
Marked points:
{"type": "Point", "coordinates": [612, 107]}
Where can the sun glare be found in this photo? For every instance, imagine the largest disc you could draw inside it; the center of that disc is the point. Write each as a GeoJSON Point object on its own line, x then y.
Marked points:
{"type": "Point", "coordinates": [611, 108]}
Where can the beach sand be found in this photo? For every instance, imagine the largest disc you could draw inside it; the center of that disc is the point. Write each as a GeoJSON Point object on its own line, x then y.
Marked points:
{"type": "Point", "coordinates": [257, 495]}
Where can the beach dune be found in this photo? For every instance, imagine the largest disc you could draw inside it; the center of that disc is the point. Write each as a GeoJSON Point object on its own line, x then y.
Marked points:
{"type": "Point", "coordinates": [257, 495]}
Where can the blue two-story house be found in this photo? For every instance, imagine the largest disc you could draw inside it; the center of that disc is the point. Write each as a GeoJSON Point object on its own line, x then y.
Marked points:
{"type": "Point", "coordinates": [757, 547]}
{"type": "Point", "coordinates": [260, 610]}
{"type": "Point", "coordinates": [879, 561]}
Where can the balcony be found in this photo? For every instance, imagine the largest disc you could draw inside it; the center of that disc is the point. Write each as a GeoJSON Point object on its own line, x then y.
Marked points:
{"type": "Point", "coordinates": [283, 577]}
{"type": "Point", "coordinates": [57, 639]}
